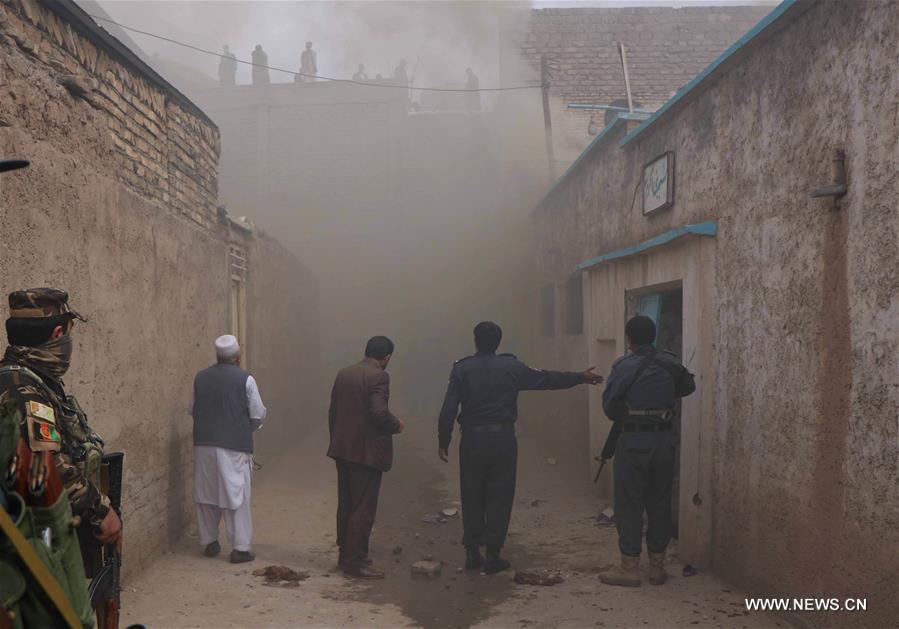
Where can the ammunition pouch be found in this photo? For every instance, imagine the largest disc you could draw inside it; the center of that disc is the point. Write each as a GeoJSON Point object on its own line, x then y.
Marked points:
{"type": "Point", "coordinates": [20, 591]}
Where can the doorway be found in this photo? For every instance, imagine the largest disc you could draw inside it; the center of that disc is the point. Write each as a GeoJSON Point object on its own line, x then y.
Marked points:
{"type": "Point", "coordinates": [664, 305]}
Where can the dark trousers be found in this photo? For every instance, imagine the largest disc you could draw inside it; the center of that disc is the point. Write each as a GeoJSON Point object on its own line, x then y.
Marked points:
{"type": "Point", "coordinates": [644, 470]}
{"type": "Point", "coordinates": [357, 502]}
{"type": "Point", "coordinates": [488, 463]}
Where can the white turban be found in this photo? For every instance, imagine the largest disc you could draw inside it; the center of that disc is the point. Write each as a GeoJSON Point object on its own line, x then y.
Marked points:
{"type": "Point", "coordinates": [226, 347]}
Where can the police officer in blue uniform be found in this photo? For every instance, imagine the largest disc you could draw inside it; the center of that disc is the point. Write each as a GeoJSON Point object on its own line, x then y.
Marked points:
{"type": "Point", "coordinates": [486, 385]}
{"type": "Point", "coordinates": [640, 397]}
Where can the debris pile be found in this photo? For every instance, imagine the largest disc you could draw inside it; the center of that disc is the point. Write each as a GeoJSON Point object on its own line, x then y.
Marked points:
{"type": "Point", "coordinates": [426, 569]}
{"type": "Point", "coordinates": [539, 577]}
{"type": "Point", "coordinates": [606, 517]}
{"type": "Point", "coordinates": [281, 576]}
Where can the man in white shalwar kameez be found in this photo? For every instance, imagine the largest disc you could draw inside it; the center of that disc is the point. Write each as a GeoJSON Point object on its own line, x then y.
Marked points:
{"type": "Point", "coordinates": [227, 409]}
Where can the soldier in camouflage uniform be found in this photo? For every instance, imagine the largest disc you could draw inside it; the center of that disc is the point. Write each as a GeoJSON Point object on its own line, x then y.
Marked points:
{"type": "Point", "coordinates": [39, 330]}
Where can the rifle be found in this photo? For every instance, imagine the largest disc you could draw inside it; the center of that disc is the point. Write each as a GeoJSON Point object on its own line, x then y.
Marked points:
{"type": "Point", "coordinates": [608, 450]}
{"type": "Point", "coordinates": [34, 476]}
{"type": "Point", "coordinates": [103, 563]}
{"type": "Point", "coordinates": [12, 164]}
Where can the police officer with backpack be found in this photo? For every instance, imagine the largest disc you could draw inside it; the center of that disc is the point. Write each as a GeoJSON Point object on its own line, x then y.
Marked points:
{"type": "Point", "coordinates": [640, 397]}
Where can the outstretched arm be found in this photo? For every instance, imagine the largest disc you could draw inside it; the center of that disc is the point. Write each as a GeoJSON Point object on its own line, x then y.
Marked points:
{"type": "Point", "coordinates": [530, 379]}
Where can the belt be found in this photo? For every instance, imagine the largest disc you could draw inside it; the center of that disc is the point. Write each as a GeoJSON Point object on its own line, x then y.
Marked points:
{"type": "Point", "coordinates": [645, 426]}
{"type": "Point", "coordinates": [489, 427]}
{"type": "Point", "coordinates": [663, 414]}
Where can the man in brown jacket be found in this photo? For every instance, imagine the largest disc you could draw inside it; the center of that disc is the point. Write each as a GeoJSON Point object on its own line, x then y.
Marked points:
{"type": "Point", "coordinates": [362, 429]}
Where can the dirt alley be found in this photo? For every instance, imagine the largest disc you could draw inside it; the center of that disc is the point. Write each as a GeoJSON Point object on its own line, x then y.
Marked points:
{"type": "Point", "coordinates": [294, 501]}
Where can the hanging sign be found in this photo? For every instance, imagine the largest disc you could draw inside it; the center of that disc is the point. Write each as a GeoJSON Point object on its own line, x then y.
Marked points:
{"type": "Point", "coordinates": [658, 183]}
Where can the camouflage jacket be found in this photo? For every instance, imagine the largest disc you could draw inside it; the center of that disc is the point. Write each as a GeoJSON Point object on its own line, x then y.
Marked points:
{"type": "Point", "coordinates": [54, 421]}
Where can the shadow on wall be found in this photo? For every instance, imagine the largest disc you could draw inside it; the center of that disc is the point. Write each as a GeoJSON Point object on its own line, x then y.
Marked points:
{"type": "Point", "coordinates": [180, 476]}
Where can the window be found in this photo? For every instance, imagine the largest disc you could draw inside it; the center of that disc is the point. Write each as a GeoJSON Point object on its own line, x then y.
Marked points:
{"type": "Point", "coordinates": [548, 311]}
{"type": "Point", "coordinates": [574, 305]}
{"type": "Point", "coordinates": [238, 262]}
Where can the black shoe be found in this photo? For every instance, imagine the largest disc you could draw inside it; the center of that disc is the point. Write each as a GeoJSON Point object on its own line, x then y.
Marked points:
{"type": "Point", "coordinates": [212, 549]}
{"type": "Point", "coordinates": [341, 562]}
{"type": "Point", "coordinates": [494, 565]}
{"type": "Point", "coordinates": [473, 558]}
{"type": "Point", "coordinates": [241, 556]}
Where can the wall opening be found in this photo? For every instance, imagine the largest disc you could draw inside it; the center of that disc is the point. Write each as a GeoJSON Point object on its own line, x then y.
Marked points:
{"type": "Point", "coordinates": [664, 305]}
{"type": "Point", "coordinates": [574, 305]}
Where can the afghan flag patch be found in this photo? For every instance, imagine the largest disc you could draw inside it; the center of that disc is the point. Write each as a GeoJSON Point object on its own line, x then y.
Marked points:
{"type": "Point", "coordinates": [44, 431]}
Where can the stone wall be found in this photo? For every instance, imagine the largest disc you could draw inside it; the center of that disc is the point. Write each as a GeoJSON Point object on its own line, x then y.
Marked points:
{"type": "Point", "coordinates": [804, 481]}
{"type": "Point", "coordinates": [119, 208]}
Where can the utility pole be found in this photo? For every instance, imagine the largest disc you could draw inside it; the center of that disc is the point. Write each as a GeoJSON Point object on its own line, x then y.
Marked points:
{"type": "Point", "coordinates": [627, 80]}
{"type": "Point", "coordinates": [547, 119]}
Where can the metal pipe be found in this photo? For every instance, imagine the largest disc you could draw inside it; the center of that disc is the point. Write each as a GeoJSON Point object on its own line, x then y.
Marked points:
{"type": "Point", "coordinates": [838, 176]}
{"type": "Point", "coordinates": [627, 80]}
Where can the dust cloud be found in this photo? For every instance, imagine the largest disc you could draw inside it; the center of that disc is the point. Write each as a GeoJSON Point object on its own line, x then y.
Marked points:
{"type": "Point", "coordinates": [414, 222]}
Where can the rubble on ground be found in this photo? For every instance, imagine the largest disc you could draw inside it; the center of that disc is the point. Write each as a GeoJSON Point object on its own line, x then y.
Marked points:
{"type": "Point", "coordinates": [606, 517]}
{"type": "Point", "coordinates": [281, 576]}
{"type": "Point", "coordinates": [538, 577]}
{"type": "Point", "coordinates": [433, 519]}
{"type": "Point", "coordinates": [426, 569]}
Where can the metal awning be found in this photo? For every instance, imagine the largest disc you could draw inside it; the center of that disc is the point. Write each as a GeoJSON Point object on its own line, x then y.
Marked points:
{"type": "Point", "coordinates": [709, 228]}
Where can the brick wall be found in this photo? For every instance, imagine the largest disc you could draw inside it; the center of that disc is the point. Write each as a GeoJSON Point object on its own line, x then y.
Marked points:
{"type": "Point", "coordinates": [164, 148]}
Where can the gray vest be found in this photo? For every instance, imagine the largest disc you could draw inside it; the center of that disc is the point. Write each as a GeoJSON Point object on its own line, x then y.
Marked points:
{"type": "Point", "coordinates": [221, 413]}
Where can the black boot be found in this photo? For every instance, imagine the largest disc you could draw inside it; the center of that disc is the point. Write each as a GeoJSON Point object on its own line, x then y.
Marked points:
{"type": "Point", "coordinates": [494, 562]}
{"type": "Point", "coordinates": [473, 558]}
{"type": "Point", "coordinates": [241, 556]}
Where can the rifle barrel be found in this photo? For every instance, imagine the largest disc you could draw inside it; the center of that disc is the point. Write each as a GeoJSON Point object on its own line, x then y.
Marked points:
{"type": "Point", "coordinates": [602, 463]}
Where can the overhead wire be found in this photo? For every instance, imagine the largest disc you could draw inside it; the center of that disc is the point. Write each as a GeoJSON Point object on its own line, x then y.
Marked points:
{"type": "Point", "coordinates": [311, 76]}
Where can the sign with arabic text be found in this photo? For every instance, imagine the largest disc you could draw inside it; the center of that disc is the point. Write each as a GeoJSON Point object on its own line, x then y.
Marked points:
{"type": "Point", "coordinates": [658, 183]}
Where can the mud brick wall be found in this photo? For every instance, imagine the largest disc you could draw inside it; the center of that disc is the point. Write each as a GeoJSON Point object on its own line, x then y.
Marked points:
{"type": "Point", "coordinates": [283, 321]}
{"type": "Point", "coordinates": [118, 207]}
{"type": "Point", "coordinates": [803, 494]}
{"type": "Point", "coordinates": [164, 148]}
